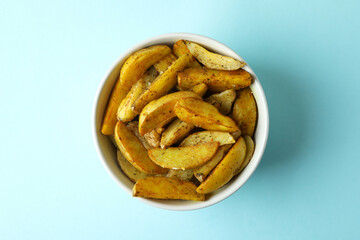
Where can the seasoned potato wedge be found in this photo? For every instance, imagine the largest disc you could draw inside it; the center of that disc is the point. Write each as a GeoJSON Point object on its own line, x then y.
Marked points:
{"type": "Point", "coordinates": [245, 112]}
{"type": "Point", "coordinates": [203, 114]}
{"type": "Point", "coordinates": [185, 175]}
{"type": "Point", "coordinates": [225, 170]}
{"type": "Point", "coordinates": [131, 71]}
{"type": "Point", "coordinates": [184, 157]}
{"type": "Point", "coordinates": [180, 49]}
{"type": "Point", "coordinates": [164, 63]}
{"type": "Point", "coordinates": [200, 89]}
{"type": "Point", "coordinates": [128, 169]}
{"type": "Point", "coordinates": [134, 151]}
{"type": "Point", "coordinates": [162, 84]}
{"type": "Point", "coordinates": [225, 100]}
{"type": "Point", "coordinates": [216, 80]}
{"type": "Point", "coordinates": [203, 171]}
{"type": "Point", "coordinates": [125, 112]}
{"type": "Point", "coordinates": [208, 136]}
{"type": "Point", "coordinates": [161, 110]}
{"type": "Point", "coordinates": [153, 138]}
{"type": "Point", "coordinates": [166, 188]}
{"type": "Point", "coordinates": [213, 60]}
{"type": "Point", "coordinates": [134, 128]}
{"type": "Point", "coordinates": [250, 147]}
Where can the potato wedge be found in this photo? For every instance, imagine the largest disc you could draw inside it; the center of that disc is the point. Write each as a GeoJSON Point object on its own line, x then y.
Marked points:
{"type": "Point", "coordinates": [164, 63]}
{"type": "Point", "coordinates": [184, 157]}
{"type": "Point", "coordinates": [213, 60]}
{"type": "Point", "coordinates": [203, 171]}
{"type": "Point", "coordinates": [125, 112]}
{"type": "Point", "coordinates": [245, 112]}
{"type": "Point", "coordinates": [134, 151]}
{"type": "Point", "coordinates": [134, 128]}
{"type": "Point", "coordinates": [162, 84]}
{"type": "Point", "coordinates": [180, 49]}
{"type": "Point", "coordinates": [112, 139]}
{"type": "Point", "coordinates": [161, 110]}
{"type": "Point", "coordinates": [153, 138]}
{"type": "Point", "coordinates": [185, 175]}
{"type": "Point", "coordinates": [178, 129]}
{"type": "Point", "coordinates": [131, 71]}
{"type": "Point", "coordinates": [216, 80]}
{"type": "Point", "coordinates": [250, 147]}
{"type": "Point", "coordinates": [225, 170]}
{"type": "Point", "coordinates": [203, 114]}
{"type": "Point", "coordinates": [236, 135]}
{"type": "Point", "coordinates": [128, 169]}
{"type": "Point", "coordinates": [208, 136]}
{"type": "Point", "coordinates": [166, 188]}
{"type": "Point", "coordinates": [225, 100]}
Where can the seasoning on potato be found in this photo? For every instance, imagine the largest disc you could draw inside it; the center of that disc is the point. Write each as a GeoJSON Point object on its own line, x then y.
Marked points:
{"type": "Point", "coordinates": [182, 120]}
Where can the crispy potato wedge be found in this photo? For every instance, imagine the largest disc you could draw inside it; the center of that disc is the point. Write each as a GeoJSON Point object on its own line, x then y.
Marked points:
{"type": "Point", "coordinates": [225, 170]}
{"type": "Point", "coordinates": [180, 49]}
{"type": "Point", "coordinates": [185, 175]}
{"type": "Point", "coordinates": [153, 138]}
{"type": "Point", "coordinates": [128, 169]}
{"type": "Point", "coordinates": [166, 188]}
{"type": "Point", "coordinates": [131, 71]}
{"type": "Point", "coordinates": [225, 100]}
{"type": "Point", "coordinates": [178, 129]}
{"type": "Point", "coordinates": [164, 63]}
{"type": "Point", "coordinates": [203, 114]}
{"type": "Point", "coordinates": [161, 110]}
{"type": "Point", "coordinates": [125, 112]}
{"type": "Point", "coordinates": [245, 112]}
{"type": "Point", "coordinates": [250, 147]}
{"type": "Point", "coordinates": [184, 157]}
{"type": "Point", "coordinates": [216, 80]}
{"type": "Point", "coordinates": [213, 60]}
{"type": "Point", "coordinates": [203, 171]}
{"type": "Point", "coordinates": [162, 84]}
{"type": "Point", "coordinates": [134, 151]}
{"type": "Point", "coordinates": [208, 136]}
{"type": "Point", "coordinates": [134, 128]}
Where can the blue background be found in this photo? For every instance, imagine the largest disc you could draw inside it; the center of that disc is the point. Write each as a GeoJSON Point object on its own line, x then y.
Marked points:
{"type": "Point", "coordinates": [53, 56]}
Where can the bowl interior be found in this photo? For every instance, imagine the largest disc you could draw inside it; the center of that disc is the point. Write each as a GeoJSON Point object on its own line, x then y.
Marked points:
{"type": "Point", "coordinates": [107, 151]}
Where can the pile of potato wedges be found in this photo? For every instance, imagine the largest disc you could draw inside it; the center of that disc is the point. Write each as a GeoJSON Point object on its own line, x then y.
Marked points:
{"type": "Point", "coordinates": [182, 120]}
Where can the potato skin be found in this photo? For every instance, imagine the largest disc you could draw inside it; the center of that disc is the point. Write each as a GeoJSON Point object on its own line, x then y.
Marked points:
{"type": "Point", "coordinates": [216, 80]}
{"type": "Point", "coordinates": [225, 170]}
{"type": "Point", "coordinates": [180, 49]}
{"type": "Point", "coordinates": [208, 136]}
{"type": "Point", "coordinates": [134, 151]}
{"type": "Point", "coordinates": [131, 71]}
{"type": "Point", "coordinates": [166, 188]}
{"type": "Point", "coordinates": [245, 112]}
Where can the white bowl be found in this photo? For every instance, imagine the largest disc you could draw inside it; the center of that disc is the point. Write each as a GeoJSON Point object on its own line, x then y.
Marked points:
{"type": "Point", "coordinates": [107, 152]}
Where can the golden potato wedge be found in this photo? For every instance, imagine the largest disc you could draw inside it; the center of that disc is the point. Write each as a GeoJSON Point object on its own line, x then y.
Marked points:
{"type": "Point", "coordinates": [162, 84]}
{"type": "Point", "coordinates": [164, 63]}
{"type": "Point", "coordinates": [128, 169]}
{"type": "Point", "coordinates": [166, 188]}
{"type": "Point", "coordinates": [153, 138]}
{"type": "Point", "coordinates": [178, 129]}
{"type": "Point", "coordinates": [134, 151]}
{"type": "Point", "coordinates": [131, 71]}
{"type": "Point", "coordinates": [225, 170]}
{"type": "Point", "coordinates": [180, 49]}
{"type": "Point", "coordinates": [134, 128]}
{"type": "Point", "coordinates": [216, 80]}
{"type": "Point", "coordinates": [203, 114]}
{"type": "Point", "coordinates": [184, 157]}
{"type": "Point", "coordinates": [203, 171]}
{"type": "Point", "coordinates": [161, 110]}
{"type": "Point", "coordinates": [185, 175]}
{"type": "Point", "coordinates": [208, 136]}
{"type": "Point", "coordinates": [250, 147]}
{"type": "Point", "coordinates": [245, 112]}
{"type": "Point", "coordinates": [125, 112]}
{"type": "Point", "coordinates": [213, 60]}
{"type": "Point", "coordinates": [225, 100]}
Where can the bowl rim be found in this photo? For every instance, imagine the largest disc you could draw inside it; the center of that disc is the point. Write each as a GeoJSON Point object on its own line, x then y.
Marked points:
{"type": "Point", "coordinates": [158, 40]}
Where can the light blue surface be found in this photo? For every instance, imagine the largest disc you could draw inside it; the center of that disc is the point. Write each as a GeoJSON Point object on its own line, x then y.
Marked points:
{"type": "Point", "coordinates": [53, 56]}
